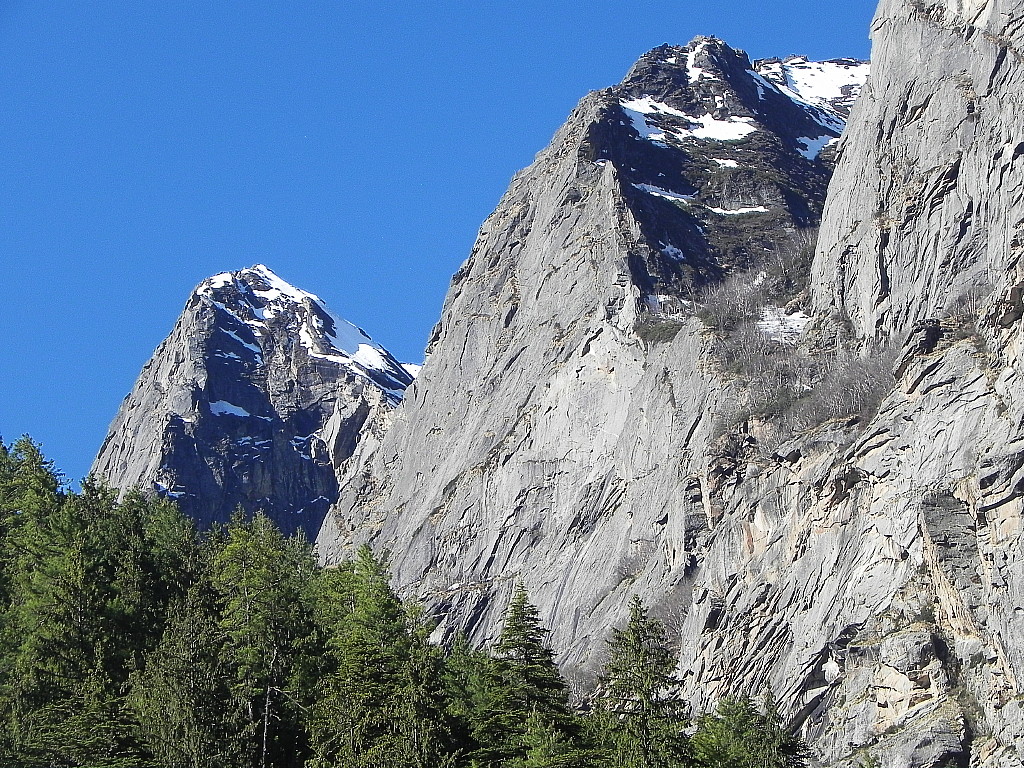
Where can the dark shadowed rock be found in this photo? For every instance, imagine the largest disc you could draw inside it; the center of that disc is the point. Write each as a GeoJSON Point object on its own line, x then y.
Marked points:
{"type": "Point", "coordinates": [254, 398]}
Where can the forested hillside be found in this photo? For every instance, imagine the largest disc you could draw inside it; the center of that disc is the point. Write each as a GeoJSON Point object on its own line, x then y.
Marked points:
{"type": "Point", "coordinates": [129, 638]}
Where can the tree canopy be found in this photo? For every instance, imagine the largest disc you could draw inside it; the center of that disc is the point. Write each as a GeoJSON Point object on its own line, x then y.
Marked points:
{"type": "Point", "coordinates": [130, 639]}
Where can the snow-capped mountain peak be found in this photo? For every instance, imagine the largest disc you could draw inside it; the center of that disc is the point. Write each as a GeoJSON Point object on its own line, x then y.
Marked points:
{"type": "Point", "coordinates": [257, 297]}
{"type": "Point", "coordinates": [832, 84]}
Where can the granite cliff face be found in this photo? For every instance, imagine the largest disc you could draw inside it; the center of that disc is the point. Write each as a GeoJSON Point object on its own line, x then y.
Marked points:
{"type": "Point", "coordinates": [251, 401]}
{"type": "Point", "coordinates": [817, 486]}
{"type": "Point", "coordinates": [560, 460]}
{"type": "Point", "coordinates": [865, 566]}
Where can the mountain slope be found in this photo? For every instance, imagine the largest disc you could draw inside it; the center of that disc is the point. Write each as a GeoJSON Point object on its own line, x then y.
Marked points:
{"type": "Point", "coordinates": [253, 398]}
{"type": "Point", "coordinates": [555, 435]}
{"type": "Point", "coordinates": [866, 568]}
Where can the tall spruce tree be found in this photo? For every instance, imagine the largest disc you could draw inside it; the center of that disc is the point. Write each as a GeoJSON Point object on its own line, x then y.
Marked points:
{"type": "Point", "coordinates": [77, 620]}
{"type": "Point", "coordinates": [522, 682]}
{"type": "Point", "coordinates": [424, 725]}
{"type": "Point", "coordinates": [181, 697]}
{"type": "Point", "coordinates": [739, 735]}
{"type": "Point", "coordinates": [641, 719]}
{"type": "Point", "coordinates": [466, 676]}
{"type": "Point", "coordinates": [260, 578]}
{"type": "Point", "coordinates": [358, 700]}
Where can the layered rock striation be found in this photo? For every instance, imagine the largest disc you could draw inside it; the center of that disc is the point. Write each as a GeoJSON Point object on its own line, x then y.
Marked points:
{"type": "Point", "coordinates": [575, 455]}
{"type": "Point", "coordinates": [251, 401]}
{"type": "Point", "coordinates": [866, 567]}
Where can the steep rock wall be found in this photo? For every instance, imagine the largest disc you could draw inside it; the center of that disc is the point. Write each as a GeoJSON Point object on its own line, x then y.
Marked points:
{"type": "Point", "coordinates": [867, 570]}
{"type": "Point", "coordinates": [546, 439]}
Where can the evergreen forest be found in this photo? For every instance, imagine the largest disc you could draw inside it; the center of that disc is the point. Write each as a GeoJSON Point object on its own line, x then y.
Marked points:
{"type": "Point", "coordinates": [130, 639]}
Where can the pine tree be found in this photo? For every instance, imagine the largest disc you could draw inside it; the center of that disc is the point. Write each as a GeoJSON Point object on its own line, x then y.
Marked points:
{"type": "Point", "coordinates": [739, 735]}
{"type": "Point", "coordinates": [424, 722]}
{"type": "Point", "coordinates": [545, 746]}
{"type": "Point", "coordinates": [466, 677]}
{"type": "Point", "coordinates": [180, 698]}
{"type": "Point", "coordinates": [358, 699]}
{"type": "Point", "coordinates": [643, 721]}
{"type": "Point", "coordinates": [74, 626]}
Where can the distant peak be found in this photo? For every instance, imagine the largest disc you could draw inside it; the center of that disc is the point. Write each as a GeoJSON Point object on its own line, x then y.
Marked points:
{"type": "Point", "coordinates": [255, 297]}
{"type": "Point", "coordinates": [262, 280]}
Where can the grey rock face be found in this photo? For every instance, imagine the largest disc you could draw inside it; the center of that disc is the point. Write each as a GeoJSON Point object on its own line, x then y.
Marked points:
{"type": "Point", "coordinates": [933, 186]}
{"type": "Point", "coordinates": [251, 401]}
{"type": "Point", "coordinates": [550, 437]}
{"type": "Point", "coordinates": [868, 570]}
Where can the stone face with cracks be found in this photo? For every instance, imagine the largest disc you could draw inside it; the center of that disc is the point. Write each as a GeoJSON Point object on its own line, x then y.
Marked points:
{"type": "Point", "coordinates": [868, 571]}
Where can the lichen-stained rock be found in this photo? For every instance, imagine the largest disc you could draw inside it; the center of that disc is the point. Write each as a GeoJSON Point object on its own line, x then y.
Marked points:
{"type": "Point", "coordinates": [253, 399]}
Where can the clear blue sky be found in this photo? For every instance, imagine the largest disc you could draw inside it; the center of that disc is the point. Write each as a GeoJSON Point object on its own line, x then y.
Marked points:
{"type": "Point", "coordinates": [354, 147]}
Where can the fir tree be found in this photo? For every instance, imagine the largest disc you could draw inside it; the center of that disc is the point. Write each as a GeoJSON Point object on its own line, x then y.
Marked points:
{"type": "Point", "coordinates": [739, 735]}
{"type": "Point", "coordinates": [545, 746]}
{"type": "Point", "coordinates": [358, 699]}
{"type": "Point", "coordinates": [260, 580]}
{"type": "Point", "coordinates": [180, 698]}
{"type": "Point", "coordinates": [75, 624]}
{"type": "Point", "coordinates": [466, 677]}
{"type": "Point", "coordinates": [424, 724]}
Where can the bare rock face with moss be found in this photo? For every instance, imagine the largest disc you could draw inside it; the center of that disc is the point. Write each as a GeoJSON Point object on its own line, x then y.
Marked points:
{"type": "Point", "coordinates": [831, 508]}
{"type": "Point", "coordinates": [256, 395]}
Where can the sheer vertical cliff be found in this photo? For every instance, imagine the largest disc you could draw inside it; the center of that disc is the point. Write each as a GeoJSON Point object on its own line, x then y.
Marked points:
{"type": "Point", "coordinates": [575, 427]}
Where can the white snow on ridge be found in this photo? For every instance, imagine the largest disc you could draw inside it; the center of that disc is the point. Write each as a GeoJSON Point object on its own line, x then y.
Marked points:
{"type": "Point", "coordinates": [648, 106]}
{"type": "Point", "coordinates": [738, 211]}
{"type": "Point", "coordinates": [645, 129]}
{"type": "Point", "coordinates": [279, 288]}
{"type": "Point", "coordinates": [262, 295]}
{"type": "Point", "coordinates": [697, 73]}
{"type": "Point", "coordinates": [672, 252]}
{"type": "Point", "coordinates": [812, 146]}
{"type": "Point", "coordinates": [726, 163]}
{"type": "Point", "coordinates": [659, 192]}
{"type": "Point", "coordinates": [733, 129]}
{"type": "Point", "coordinates": [224, 408]}
{"type": "Point", "coordinates": [699, 127]}
{"type": "Point", "coordinates": [820, 83]}
{"type": "Point", "coordinates": [251, 347]}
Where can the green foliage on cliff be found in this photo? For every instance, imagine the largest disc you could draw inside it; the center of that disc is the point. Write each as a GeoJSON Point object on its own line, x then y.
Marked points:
{"type": "Point", "coordinates": [128, 639]}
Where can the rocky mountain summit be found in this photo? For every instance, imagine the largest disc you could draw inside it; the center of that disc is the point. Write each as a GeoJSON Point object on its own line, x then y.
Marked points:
{"type": "Point", "coordinates": [253, 399]}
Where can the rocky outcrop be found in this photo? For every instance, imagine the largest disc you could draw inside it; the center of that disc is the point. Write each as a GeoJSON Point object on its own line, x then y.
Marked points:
{"type": "Point", "coordinates": [866, 568]}
{"type": "Point", "coordinates": [253, 399]}
{"type": "Point", "coordinates": [563, 427]}
{"type": "Point", "coordinates": [926, 213]}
